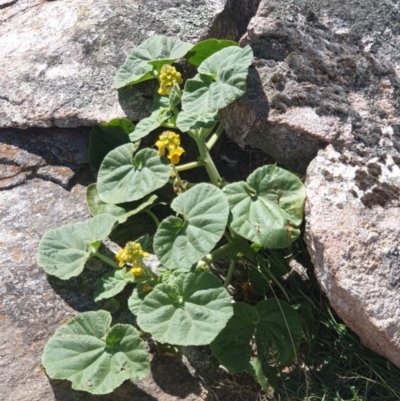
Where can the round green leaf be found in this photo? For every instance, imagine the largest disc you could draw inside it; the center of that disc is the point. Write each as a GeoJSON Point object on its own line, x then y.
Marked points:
{"type": "Point", "coordinates": [64, 251]}
{"type": "Point", "coordinates": [93, 357]}
{"type": "Point", "coordinates": [232, 345]}
{"type": "Point", "coordinates": [206, 48]}
{"type": "Point", "coordinates": [182, 242]}
{"type": "Point", "coordinates": [191, 312]}
{"type": "Point", "coordinates": [112, 283]}
{"type": "Point", "coordinates": [106, 137]}
{"type": "Point", "coordinates": [186, 122]}
{"type": "Point", "coordinates": [152, 53]}
{"type": "Point", "coordinates": [221, 80]}
{"type": "Point", "coordinates": [280, 327]}
{"type": "Point", "coordinates": [136, 299]}
{"type": "Point", "coordinates": [122, 211]}
{"type": "Point", "coordinates": [268, 209]}
{"type": "Point", "coordinates": [149, 124]}
{"type": "Point", "coordinates": [125, 178]}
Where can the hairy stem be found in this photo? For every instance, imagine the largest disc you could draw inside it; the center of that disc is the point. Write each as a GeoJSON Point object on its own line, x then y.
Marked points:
{"type": "Point", "coordinates": [231, 270]}
{"type": "Point", "coordinates": [153, 216]}
{"type": "Point", "coordinates": [189, 166]}
{"type": "Point", "coordinates": [214, 137]}
{"type": "Point", "coordinates": [208, 163]}
{"type": "Point", "coordinates": [107, 260]}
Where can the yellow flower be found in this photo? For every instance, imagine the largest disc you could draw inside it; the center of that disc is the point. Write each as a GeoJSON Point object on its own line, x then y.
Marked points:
{"type": "Point", "coordinates": [168, 77]}
{"type": "Point", "coordinates": [170, 141]}
{"type": "Point", "coordinates": [137, 271]}
{"type": "Point", "coordinates": [175, 154]}
{"type": "Point", "coordinates": [131, 253]}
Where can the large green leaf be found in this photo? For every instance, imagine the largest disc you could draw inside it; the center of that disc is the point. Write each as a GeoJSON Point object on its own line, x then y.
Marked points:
{"type": "Point", "coordinates": [191, 312]}
{"type": "Point", "coordinates": [232, 345]}
{"type": "Point", "coordinates": [207, 48]}
{"type": "Point", "coordinates": [182, 242]}
{"type": "Point", "coordinates": [64, 251]}
{"type": "Point", "coordinates": [152, 53]}
{"type": "Point", "coordinates": [124, 177]}
{"type": "Point", "coordinates": [220, 81]}
{"type": "Point", "coordinates": [112, 283]}
{"type": "Point", "coordinates": [94, 357]}
{"type": "Point", "coordinates": [149, 124]}
{"type": "Point", "coordinates": [122, 211]}
{"type": "Point", "coordinates": [186, 122]}
{"type": "Point", "coordinates": [106, 137]}
{"type": "Point", "coordinates": [268, 209]}
{"type": "Point", "coordinates": [280, 327]}
{"type": "Point", "coordinates": [136, 299]}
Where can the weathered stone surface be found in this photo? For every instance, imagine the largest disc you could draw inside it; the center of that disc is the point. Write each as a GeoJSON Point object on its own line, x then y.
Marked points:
{"type": "Point", "coordinates": [326, 73]}
{"type": "Point", "coordinates": [34, 153]}
{"type": "Point", "coordinates": [59, 57]}
{"type": "Point", "coordinates": [322, 75]}
{"type": "Point", "coordinates": [353, 231]}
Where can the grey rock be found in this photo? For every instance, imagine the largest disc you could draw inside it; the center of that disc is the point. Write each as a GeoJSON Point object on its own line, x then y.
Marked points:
{"type": "Point", "coordinates": [58, 156]}
{"type": "Point", "coordinates": [352, 233]}
{"type": "Point", "coordinates": [315, 80]}
{"type": "Point", "coordinates": [324, 88]}
{"type": "Point", "coordinates": [59, 58]}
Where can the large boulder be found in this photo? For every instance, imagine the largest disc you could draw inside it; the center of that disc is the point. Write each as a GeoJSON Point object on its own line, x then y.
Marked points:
{"type": "Point", "coordinates": [325, 83]}
{"type": "Point", "coordinates": [58, 58]}
{"type": "Point", "coordinates": [321, 76]}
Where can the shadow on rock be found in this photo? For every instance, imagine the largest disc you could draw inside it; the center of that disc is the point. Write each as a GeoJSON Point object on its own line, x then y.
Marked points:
{"type": "Point", "coordinates": [173, 376]}
{"type": "Point", "coordinates": [127, 391]}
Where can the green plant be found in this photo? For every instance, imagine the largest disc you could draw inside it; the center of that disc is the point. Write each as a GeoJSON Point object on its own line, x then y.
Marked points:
{"type": "Point", "coordinates": [181, 302]}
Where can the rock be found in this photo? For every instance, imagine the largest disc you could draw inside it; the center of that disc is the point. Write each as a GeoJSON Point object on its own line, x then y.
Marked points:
{"type": "Point", "coordinates": [353, 231]}
{"type": "Point", "coordinates": [59, 58]}
{"type": "Point", "coordinates": [315, 81]}
{"type": "Point", "coordinates": [325, 82]}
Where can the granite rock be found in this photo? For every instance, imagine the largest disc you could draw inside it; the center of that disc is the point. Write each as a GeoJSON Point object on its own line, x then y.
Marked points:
{"type": "Point", "coordinates": [59, 57]}
{"type": "Point", "coordinates": [322, 75]}
{"type": "Point", "coordinates": [324, 89]}
{"type": "Point", "coordinates": [352, 233]}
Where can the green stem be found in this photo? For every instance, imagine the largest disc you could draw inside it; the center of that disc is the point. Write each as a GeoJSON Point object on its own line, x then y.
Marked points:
{"type": "Point", "coordinates": [225, 250]}
{"type": "Point", "coordinates": [180, 183]}
{"type": "Point", "coordinates": [214, 137]}
{"type": "Point", "coordinates": [168, 125]}
{"type": "Point", "coordinates": [231, 270]}
{"type": "Point", "coordinates": [153, 216]}
{"type": "Point", "coordinates": [189, 166]}
{"type": "Point", "coordinates": [107, 260]}
{"type": "Point", "coordinates": [208, 163]}
{"type": "Point", "coordinates": [276, 281]}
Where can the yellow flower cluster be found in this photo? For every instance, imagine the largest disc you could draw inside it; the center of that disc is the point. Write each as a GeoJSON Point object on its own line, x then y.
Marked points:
{"type": "Point", "coordinates": [168, 77]}
{"type": "Point", "coordinates": [132, 253]}
{"type": "Point", "coordinates": [170, 141]}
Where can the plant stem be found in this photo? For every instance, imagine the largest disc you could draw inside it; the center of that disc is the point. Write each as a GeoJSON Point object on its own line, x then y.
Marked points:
{"type": "Point", "coordinates": [225, 250]}
{"type": "Point", "coordinates": [153, 216]}
{"type": "Point", "coordinates": [208, 162]}
{"type": "Point", "coordinates": [168, 125]}
{"type": "Point", "coordinates": [232, 266]}
{"type": "Point", "coordinates": [214, 137]}
{"type": "Point", "coordinates": [107, 260]}
{"type": "Point", "coordinates": [189, 166]}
